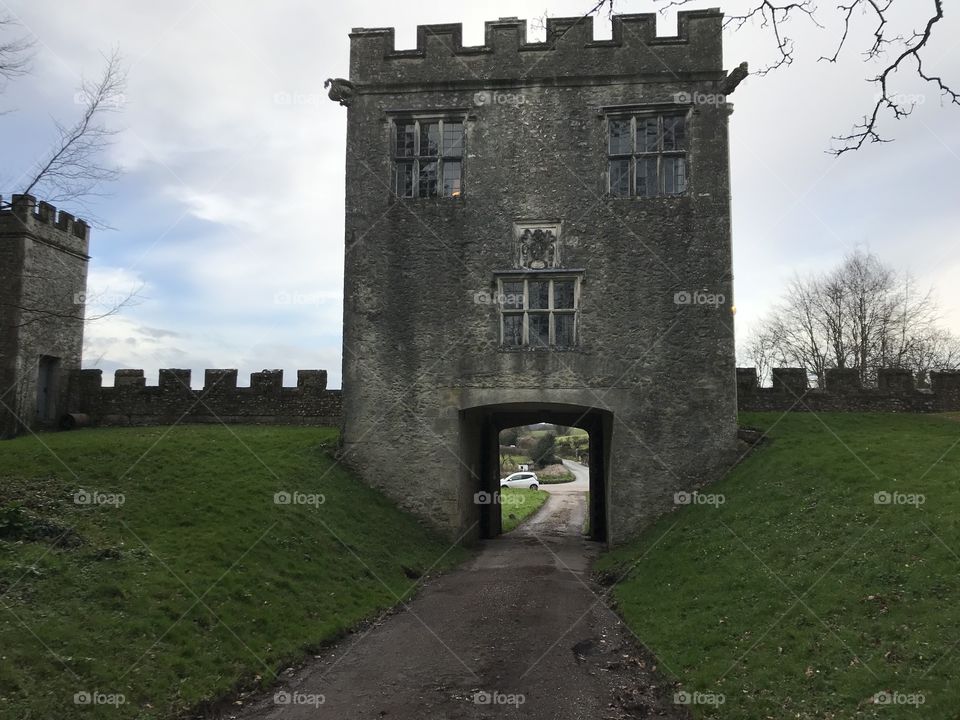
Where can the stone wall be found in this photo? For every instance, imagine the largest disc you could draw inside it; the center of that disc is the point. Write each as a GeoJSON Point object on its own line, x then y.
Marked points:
{"type": "Point", "coordinates": [423, 358]}
{"type": "Point", "coordinates": [896, 391]}
{"type": "Point", "coordinates": [43, 278]}
{"type": "Point", "coordinates": [132, 402]}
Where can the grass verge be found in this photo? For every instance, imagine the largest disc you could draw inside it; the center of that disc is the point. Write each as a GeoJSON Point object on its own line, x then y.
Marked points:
{"type": "Point", "coordinates": [517, 504]}
{"type": "Point", "coordinates": [825, 585]}
{"type": "Point", "coordinates": [202, 581]}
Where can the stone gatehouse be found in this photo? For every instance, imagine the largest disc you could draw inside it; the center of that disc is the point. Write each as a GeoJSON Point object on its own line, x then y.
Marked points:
{"type": "Point", "coordinates": [538, 232]}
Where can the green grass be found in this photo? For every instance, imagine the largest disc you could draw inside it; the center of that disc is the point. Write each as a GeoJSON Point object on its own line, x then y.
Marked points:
{"type": "Point", "coordinates": [799, 596]}
{"type": "Point", "coordinates": [199, 583]}
{"type": "Point", "coordinates": [517, 504]}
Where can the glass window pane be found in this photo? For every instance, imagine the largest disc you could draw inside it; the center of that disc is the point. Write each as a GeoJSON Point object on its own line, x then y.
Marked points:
{"type": "Point", "coordinates": [513, 330]}
{"type": "Point", "coordinates": [512, 295]}
{"type": "Point", "coordinates": [403, 184]}
{"type": "Point", "coordinates": [539, 327]}
{"type": "Point", "coordinates": [428, 179]}
{"type": "Point", "coordinates": [620, 178]}
{"type": "Point", "coordinates": [647, 177]}
{"type": "Point", "coordinates": [451, 178]}
{"type": "Point", "coordinates": [429, 139]}
{"type": "Point", "coordinates": [563, 294]}
{"type": "Point", "coordinates": [406, 131]}
{"type": "Point", "coordinates": [674, 133]}
{"type": "Point", "coordinates": [620, 137]}
{"type": "Point", "coordinates": [563, 329]}
{"type": "Point", "coordinates": [539, 294]}
{"type": "Point", "coordinates": [646, 134]}
{"type": "Point", "coordinates": [674, 175]}
{"type": "Point", "coordinates": [453, 139]}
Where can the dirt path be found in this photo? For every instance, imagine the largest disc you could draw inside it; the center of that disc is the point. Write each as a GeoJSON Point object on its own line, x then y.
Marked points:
{"type": "Point", "coordinates": [518, 631]}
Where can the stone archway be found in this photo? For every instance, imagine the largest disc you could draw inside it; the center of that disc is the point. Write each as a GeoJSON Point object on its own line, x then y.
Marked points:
{"type": "Point", "coordinates": [479, 441]}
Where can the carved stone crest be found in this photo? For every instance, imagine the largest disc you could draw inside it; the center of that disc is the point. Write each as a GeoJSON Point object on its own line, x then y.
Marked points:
{"type": "Point", "coordinates": [538, 245]}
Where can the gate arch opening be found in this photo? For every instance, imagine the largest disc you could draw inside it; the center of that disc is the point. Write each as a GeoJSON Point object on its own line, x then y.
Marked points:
{"type": "Point", "coordinates": [480, 443]}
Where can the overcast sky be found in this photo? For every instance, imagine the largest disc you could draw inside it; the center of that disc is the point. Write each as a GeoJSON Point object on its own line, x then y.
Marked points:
{"type": "Point", "coordinates": [229, 215]}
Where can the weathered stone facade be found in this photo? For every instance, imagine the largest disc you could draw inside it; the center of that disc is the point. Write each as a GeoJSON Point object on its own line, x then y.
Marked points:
{"type": "Point", "coordinates": [896, 391]}
{"type": "Point", "coordinates": [266, 402]}
{"type": "Point", "coordinates": [428, 380]}
{"type": "Point", "coordinates": [43, 280]}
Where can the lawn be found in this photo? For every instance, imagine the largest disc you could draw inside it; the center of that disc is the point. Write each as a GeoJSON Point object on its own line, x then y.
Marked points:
{"type": "Point", "coordinates": [826, 583]}
{"type": "Point", "coordinates": [176, 566]}
{"type": "Point", "coordinates": [517, 504]}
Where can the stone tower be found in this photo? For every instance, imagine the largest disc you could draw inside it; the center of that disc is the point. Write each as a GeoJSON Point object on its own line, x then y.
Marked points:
{"type": "Point", "coordinates": [538, 232]}
{"type": "Point", "coordinates": [43, 281]}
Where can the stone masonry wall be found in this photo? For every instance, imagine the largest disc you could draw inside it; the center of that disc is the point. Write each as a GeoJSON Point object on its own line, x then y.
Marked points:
{"type": "Point", "coordinates": [842, 392]}
{"type": "Point", "coordinates": [422, 349]}
{"type": "Point", "coordinates": [132, 402]}
{"type": "Point", "coordinates": [43, 278]}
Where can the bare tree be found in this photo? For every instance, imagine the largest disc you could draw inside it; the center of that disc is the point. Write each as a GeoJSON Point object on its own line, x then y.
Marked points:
{"type": "Point", "coordinates": [74, 168]}
{"type": "Point", "coordinates": [861, 315]}
{"type": "Point", "coordinates": [894, 49]}
{"type": "Point", "coordinates": [82, 307]}
{"type": "Point", "coordinates": [15, 54]}
{"type": "Point", "coordinates": [758, 351]}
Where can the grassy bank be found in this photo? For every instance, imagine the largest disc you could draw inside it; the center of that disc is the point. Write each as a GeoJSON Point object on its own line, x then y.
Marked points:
{"type": "Point", "coordinates": [824, 585]}
{"type": "Point", "coordinates": [162, 565]}
{"type": "Point", "coordinates": [517, 504]}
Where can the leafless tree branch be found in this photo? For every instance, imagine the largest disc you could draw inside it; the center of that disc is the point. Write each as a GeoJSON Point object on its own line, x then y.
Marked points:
{"type": "Point", "coordinates": [74, 169]}
{"type": "Point", "coordinates": [74, 308]}
{"type": "Point", "coordinates": [775, 16]}
{"type": "Point", "coordinates": [15, 54]}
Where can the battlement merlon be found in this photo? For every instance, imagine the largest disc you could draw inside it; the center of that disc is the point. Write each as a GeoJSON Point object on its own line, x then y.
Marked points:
{"type": "Point", "coordinates": [570, 51]}
{"type": "Point", "coordinates": [43, 222]}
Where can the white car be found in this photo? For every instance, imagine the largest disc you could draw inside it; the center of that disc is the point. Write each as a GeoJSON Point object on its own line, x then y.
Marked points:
{"type": "Point", "coordinates": [521, 480]}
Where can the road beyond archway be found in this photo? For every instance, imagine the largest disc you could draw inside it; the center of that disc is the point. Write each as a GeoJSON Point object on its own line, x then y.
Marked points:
{"type": "Point", "coordinates": [519, 626]}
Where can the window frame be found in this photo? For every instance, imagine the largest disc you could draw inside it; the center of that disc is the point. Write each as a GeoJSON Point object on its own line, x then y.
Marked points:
{"type": "Point", "coordinates": [417, 158]}
{"type": "Point", "coordinates": [551, 311]}
{"type": "Point", "coordinates": [635, 155]}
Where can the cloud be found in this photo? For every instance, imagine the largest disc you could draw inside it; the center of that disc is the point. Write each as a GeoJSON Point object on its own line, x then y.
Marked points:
{"type": "Point", "coordinates": [230, 215]}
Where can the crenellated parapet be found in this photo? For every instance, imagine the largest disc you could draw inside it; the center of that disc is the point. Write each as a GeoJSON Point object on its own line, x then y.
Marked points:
{"type": "Point", "coordinates": [896, 391]}
{"type": "Point", "coordinates": [172, 400]}
{"type": "Point", "coordinates": [42, 221]}
{"type": "Point", "coordinates": [570, 50]}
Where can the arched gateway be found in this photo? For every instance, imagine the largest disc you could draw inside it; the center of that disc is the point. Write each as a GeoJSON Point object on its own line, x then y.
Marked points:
{"type": "Point", "coordinates": [538, 232]}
